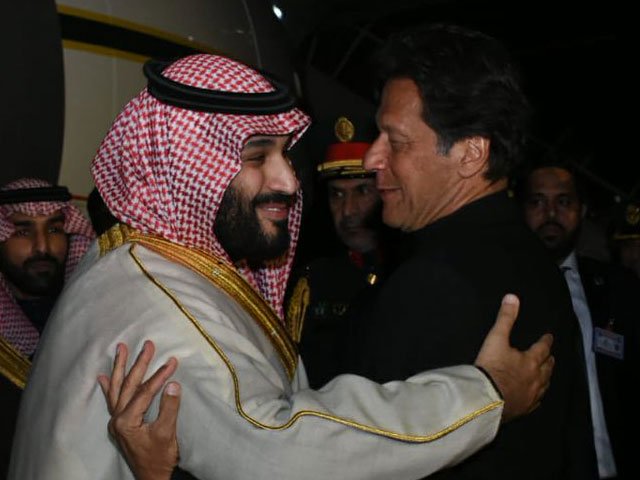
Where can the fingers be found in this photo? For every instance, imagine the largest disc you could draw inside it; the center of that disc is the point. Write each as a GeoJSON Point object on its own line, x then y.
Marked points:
{"type": "Point", "coordinates": [132, 413]}
{"type": "Point", "coordinates": [506, 317]}
{"type": "Point", "coordinates": [541, 350]}
{"type": "Point", "coordinates": [547, 371]}
{"type": "Point", "coordinates": [165, 424]}
{"type": "Point", "coordinates": [136, 374]}
{"type": "Point", "coordinates": [117, 376]}
{"type": "Point", "coordinates": [496, 343]}
{"type": "Point", "coordinates": [103, 380]}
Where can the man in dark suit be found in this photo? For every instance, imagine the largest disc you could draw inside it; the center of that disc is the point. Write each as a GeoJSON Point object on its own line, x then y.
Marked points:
{"type": "Point", "coordinates": [605, 301]}
{"type": "Point", "coordinates": [451, 125]}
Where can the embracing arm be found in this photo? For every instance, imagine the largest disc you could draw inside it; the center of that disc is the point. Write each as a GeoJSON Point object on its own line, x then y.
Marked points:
{"type": "Point", "coordinates": [151, 449]}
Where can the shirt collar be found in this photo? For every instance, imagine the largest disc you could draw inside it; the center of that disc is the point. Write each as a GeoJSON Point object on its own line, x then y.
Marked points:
{"type": "Point", "coordinates": [570, 262]}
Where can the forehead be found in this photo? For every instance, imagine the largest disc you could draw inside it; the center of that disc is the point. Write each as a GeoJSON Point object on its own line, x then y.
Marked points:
{"type": "Point", "coordinates": [401, 102]}
{"type": "Point", "coordinates": [551, 180]}
{"type": "Point", "coordinates": [351, 183]}
{"type": "Point", "coordinates": [18, 217]}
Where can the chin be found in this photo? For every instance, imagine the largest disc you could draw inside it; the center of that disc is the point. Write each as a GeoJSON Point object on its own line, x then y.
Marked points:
{"type": "Point", "coordinates": [390, 220]}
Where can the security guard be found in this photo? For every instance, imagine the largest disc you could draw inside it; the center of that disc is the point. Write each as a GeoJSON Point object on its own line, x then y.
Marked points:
{"type": "Point", "coordinates": [319, 305]}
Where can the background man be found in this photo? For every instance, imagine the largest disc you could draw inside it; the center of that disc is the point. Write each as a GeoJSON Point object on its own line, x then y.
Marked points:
{"type": "Point", "coordinates": [329, 284]}
{"type": "Point", "coordinates": [196, 168]}
{"type": "Point", "coordinates": [452, 123]}
{"type": "Point", "coordinates": [605, 301]}
{"type": "Point", "coordinates": [42, 238]}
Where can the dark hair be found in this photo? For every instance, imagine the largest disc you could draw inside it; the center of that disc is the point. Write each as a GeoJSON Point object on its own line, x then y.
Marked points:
{"type": "Point", "coordinates": [469, 86]}
{"type": "Point", "coordinates": [544, 156]}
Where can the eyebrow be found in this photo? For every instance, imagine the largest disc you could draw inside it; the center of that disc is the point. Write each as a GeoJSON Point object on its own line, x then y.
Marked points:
{"type": "Point", "coordinates": [56, 219]}
{"type": "Point", "coordinates": [392, 130]}
{"type": "Point", "coordinates": [27, 223]}
{"type": "Point", "coordinates": [259, 142]}
{"type": "Point", "coordinates": [23, 223]}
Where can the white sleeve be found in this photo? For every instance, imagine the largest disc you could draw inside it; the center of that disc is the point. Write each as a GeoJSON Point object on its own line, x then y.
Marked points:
{"type": "Point", "coordinates": [241, 417]}
{"type": "Point", "coordinates": [351, 429]}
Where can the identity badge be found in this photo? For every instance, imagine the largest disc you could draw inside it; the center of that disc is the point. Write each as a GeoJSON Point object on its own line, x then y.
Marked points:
{"type": "Point", "coordinates": [608, 343]}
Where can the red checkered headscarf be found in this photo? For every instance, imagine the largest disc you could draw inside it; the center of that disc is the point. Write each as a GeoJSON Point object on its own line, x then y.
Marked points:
{"type": "Point", "coordinates": [15, 327]}
{"type": "Point", "coordinates": [163, 169]}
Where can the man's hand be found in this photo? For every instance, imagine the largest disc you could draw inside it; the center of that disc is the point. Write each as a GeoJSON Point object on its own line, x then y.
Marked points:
{"type": "Point", "coordinates": [151, 449]}
{"type": "Point", "coordinates": [521, 377]}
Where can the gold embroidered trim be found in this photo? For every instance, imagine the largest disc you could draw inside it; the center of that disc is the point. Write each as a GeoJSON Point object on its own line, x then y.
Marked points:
{"type": "Point", "coordinates": [113, 238]}
{"type": "Point", "coordinates": [630, 236]}
{"type": "Point", "coordinates": [220, 274]}
{"type": "Point", "coordinates": [303, 413]}
{"type": "Point", "coordinates": [297, 308]}
{"type": "Point", "coordinates": [13, 364]}
{"type": "Point", "coordinates": [106, 19]}
{"type": "Point", "coordinates": [355, 163]}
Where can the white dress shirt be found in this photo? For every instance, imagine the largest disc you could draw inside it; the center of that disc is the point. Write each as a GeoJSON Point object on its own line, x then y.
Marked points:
{"type": "Point", "coordinates": [606, 463]}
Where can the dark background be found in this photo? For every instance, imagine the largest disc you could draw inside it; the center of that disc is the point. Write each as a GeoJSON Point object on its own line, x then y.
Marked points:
{"type": "Point", "coordinates": [575, 58]}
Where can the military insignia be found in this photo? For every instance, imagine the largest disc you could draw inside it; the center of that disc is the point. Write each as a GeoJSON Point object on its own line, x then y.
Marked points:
{"type": "Point", "coordinates": [344, 129]}
{"type": "Point", "coordinates": [633, 215]}
{"type": "Point", "coordinates": [297, 308]}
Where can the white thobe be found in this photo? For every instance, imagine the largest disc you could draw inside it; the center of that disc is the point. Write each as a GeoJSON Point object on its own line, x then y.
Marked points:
{"type": "Point", "coordinates": [240, 415]}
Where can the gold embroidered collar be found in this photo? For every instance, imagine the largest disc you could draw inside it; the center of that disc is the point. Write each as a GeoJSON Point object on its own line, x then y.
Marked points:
{"type": "Point", "coordinates": [224, 276]}
{"type": "Point", "coordinates": [13, 364]}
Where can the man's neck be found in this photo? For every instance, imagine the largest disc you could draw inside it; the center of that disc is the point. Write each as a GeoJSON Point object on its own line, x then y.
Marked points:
{"type": "Point", "coordinates": [468, 192]}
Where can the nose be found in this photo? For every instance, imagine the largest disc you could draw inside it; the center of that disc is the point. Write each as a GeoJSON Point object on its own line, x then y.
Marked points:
{"type": "Point", "coordinates": [41, 241]}
{"type": "Point", "coordinates": [349, 205]}
{"type": "Point", "coordinates": [376, 157]}
{"type": "Point", "coordinates": [282, 177]}
{"type": "Point", "coordinates": [550, 209]}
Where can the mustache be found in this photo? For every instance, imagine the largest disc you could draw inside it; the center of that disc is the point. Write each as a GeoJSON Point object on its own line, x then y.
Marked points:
{"type": "Point", "coordinates": [349, 223]}
{"type": "Point", "coordinates": [274, 197]}
{"type": "Point", "coordinates": [44, 257]}
{"type": "Point", "coordinates": [550, 223]}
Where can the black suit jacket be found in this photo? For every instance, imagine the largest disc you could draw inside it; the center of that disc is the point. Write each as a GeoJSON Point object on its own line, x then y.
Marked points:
{"type": "Point", "coordinates": [436, 309]}
{"type": "Point", "coordinates": [612, 294]}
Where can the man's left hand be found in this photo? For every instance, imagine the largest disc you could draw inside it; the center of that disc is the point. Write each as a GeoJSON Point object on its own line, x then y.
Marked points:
{"type": "Point", "coordinates": [151, 449]}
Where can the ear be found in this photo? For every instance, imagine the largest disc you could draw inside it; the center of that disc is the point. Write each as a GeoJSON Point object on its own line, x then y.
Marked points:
{"type": "Point", "coordinates": [475, 156]}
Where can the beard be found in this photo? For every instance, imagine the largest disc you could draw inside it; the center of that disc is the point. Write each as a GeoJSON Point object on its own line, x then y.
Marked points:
{"type": "Point", "coordinates": [238, 228]}
{"type": "Point", "coordinates": [561, 243]}
{"type": "Point", "coordinates": [31, 279]}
